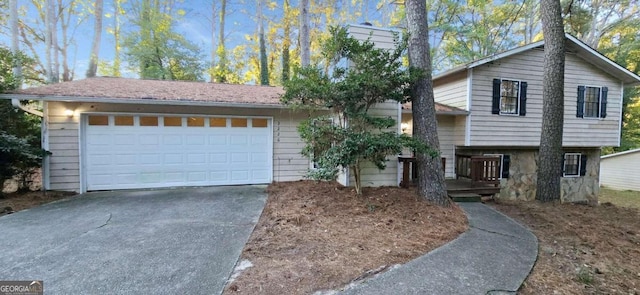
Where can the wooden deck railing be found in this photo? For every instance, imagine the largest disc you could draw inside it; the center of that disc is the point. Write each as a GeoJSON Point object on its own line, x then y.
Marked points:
{"type": "Point", "coordinates": [409, 173]}
{"type": "Point", "coordinates": [480, 169]}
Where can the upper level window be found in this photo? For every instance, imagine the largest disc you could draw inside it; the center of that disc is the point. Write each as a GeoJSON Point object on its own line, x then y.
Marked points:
{"type": "Point", "coordinates": [592, 102]}
{"type": "Point", "coordinates": [509, 97]}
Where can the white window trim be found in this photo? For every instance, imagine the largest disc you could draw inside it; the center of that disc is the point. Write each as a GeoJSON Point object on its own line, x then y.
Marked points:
{"type": "Point", "coordinates": [517, 113]}
{"type": "Point", "coordinates": [501, 162]}
{"type": "Point", "coordinates": [584, 102]}
{"type": "Point", "coordinates": [564, 163]}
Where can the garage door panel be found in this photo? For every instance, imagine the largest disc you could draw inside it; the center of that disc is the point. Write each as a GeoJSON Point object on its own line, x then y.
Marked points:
{"type": "Point", "coordinates": [240, 175]}
{"type": "Point", "coordinates": [259, 139]}
{"type": "Point", "coordinates": [148, 139]}
{"type": "Point", "coordinates": [125, 139]}
{"type": "Point", "coordinates": [259, 158]}
{"type": "Point", "coordinates": [218, 158]}
{"type": "Point", "coordinates": [172, 139]}
{"type": "Point", "coordinates": [125, 156]}
{"type": "Point", "coordinates": [196, 140]}
{"type": "Point", "coordinates": [172, 159]}
{"type": "Point", "coordinates": [238, 140]}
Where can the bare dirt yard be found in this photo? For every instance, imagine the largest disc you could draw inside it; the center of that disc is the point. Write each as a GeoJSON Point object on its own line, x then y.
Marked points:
{"type": "Point", "coordinates": [318, 235]}
{"type": "Point", "coordinates": [583, 249]}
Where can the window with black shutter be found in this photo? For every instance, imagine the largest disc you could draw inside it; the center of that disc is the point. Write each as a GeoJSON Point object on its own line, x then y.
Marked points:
{"type": "Point", "coordinates": [509, 97]}
{"type": "Point", "coordinates": [592, 102]}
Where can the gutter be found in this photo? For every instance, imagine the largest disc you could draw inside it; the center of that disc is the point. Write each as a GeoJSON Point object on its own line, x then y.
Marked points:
{"type": "Point", "coordinates": [143, 101]}
{"type": "Point", "coordinates": [17, 104]}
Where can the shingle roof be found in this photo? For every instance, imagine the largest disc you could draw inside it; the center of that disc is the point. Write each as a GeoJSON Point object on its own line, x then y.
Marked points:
{"type": "Point", "coordinates": [131, 90]}
{"type": "Point", "coordinates": [136, 89]}
{"type": "Point", "coordinates": [440, 109]}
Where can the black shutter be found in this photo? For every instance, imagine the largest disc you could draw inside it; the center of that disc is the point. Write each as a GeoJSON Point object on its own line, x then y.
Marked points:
{"type": "Point", "coordinates": [495, 106]}
{"type": "Point", "coordinates": [583, 165]}
{"type": "Point", "coordinates": [523, 98]}
{"type": "Point", "coordinates": [603, 102]}
{"type": "Point", "coordinates": [562, 163]}
{"type": "Point", "coordinates": [506, 159]}
{"type": "Point", "coordinates": [580, 111]}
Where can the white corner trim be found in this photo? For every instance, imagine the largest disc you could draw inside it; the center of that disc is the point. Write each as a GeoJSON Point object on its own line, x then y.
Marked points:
{"type": "Point", "coordinates": [620, 114]}
{"type": "Point", "coordinates": [44, 141]}
{"type": "Point", "coordinates": [399, 125]}
{"type": "Point", "coordinates": [467, 127]}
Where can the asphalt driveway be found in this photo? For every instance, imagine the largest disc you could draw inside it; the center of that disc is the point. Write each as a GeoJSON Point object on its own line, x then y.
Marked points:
{"type": "Point", "coordinates": [182, 241]}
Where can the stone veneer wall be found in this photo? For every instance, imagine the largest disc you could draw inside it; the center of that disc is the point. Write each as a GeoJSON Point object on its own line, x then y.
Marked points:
{"type": "Point", "coordinates": [521, 184]}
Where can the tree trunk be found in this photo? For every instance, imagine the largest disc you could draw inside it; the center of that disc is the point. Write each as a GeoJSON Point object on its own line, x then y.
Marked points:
{"type": "Point", "coordinates": [286, 42]}
{"type": "Point", "coordinates": [305, 43]}
{"type": "Point", "coordinates": [212, 74]}
{"type": "Point", "coordinates": [264, 67]}
{"type": "Point", "coordinates": [549, 167]}
{"type": "Point", "coordinates": [222, 55]}
{"type": "Point", "coordinates": [55, 74]}
{"type": "Point", "coordinates": [95, 46]}
{"type": "Point", "coordinates": [15, 45]}
{"type": "Point", "coordinates": [425, 127]}
{"type": "Point", "coordinates": [47, 41]}
{"type": "Point", "coordinates": [116, 37]}
{"type": "Point", "coordinates": [357, 177]}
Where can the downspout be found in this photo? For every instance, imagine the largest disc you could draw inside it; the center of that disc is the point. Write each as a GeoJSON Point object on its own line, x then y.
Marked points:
{"type": "Point", "coordinates": [44, 136]}
{"type": "Point", "coordinates": [17, 104]}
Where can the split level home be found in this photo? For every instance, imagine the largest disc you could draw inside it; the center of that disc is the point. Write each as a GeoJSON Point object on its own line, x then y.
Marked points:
{"type": "Point", "coordinates": [119, 133]}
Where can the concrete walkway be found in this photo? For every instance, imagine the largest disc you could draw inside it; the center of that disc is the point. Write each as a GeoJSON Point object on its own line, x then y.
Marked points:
{"type": "Point", "coordinates": [494, 256]}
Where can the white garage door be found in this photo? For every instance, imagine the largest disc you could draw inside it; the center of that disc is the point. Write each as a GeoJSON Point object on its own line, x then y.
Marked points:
{"type": "Point", "coordinates": [147, 151]}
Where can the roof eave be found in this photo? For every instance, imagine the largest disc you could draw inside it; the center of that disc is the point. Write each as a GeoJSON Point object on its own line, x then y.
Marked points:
{"type": "Point", "coordinates": [140, 101]}
{"type": "Point", "coordinates": [620, 154]}
{"type": "Point", "coordinates": [631, 78]}
{"type": "Point", "coordinates": [444, 113]}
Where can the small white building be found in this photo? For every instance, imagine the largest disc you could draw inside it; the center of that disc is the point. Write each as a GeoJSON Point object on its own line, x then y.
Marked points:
{"type": "Point", "coordinates": [620, 170]}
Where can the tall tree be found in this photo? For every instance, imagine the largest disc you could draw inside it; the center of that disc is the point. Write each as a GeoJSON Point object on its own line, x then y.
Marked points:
{"type": "Point", "coordinates": [431, 183]}
{"type": "Point", "coordinates": [264, 67]}
{"type": "Point", "coordinates": [549, 168]}
{"type": "Point", "coordinates": [156, 49]}
{"type": "Point", "coordinates": [222, 69]}
{"type": "Point", "coordinates": [348, 92]}
{"type": "Point", "coordinates": [97, 34]}
{"type": "Point", "coordinates": [116, 37]}
{"type": "Point", "coordinates": [286, 41]}
{"type": "Point", "coordinates": [305, 42]}
{"type": "Point", "coordinates": [15, 45]}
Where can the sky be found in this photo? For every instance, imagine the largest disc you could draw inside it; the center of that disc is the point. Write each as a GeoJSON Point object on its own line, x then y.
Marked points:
{"type": "Point", "coordinates": [195, 26]}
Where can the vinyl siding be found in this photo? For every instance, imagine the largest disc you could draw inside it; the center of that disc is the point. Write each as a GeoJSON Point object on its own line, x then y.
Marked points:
{"type": "Point", "coordinates": [64, 143]}
{"type": "Point", "coordinates": [448, 136]}
{"type": "Point", "coordinates": [621, 172]}
{"type": "Point", "coordinates": [382, 38]}
{"type": "Point", "coordinates": [504, 130]}
{"type": "Point", "coordinates": [370, 174]}
{"type": "Point", "coordinates": [452, 90]}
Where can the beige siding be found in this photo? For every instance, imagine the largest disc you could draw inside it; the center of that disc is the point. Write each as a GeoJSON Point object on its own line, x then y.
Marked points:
{"type": "Point", "coordinates": [382, 38]}
{"type": "Point", "coordinates": [501, 130]}
{"type": "Point", "coordinates": [448, 136]}
{"type": "Point", "coordinates": [371, 175]}
{"type": "Point", "coordinates": [452, 90]}
{"type": "Point", "coordinates": [288, 163]}
{"type": "Point", "coordinates": [621, 172]}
